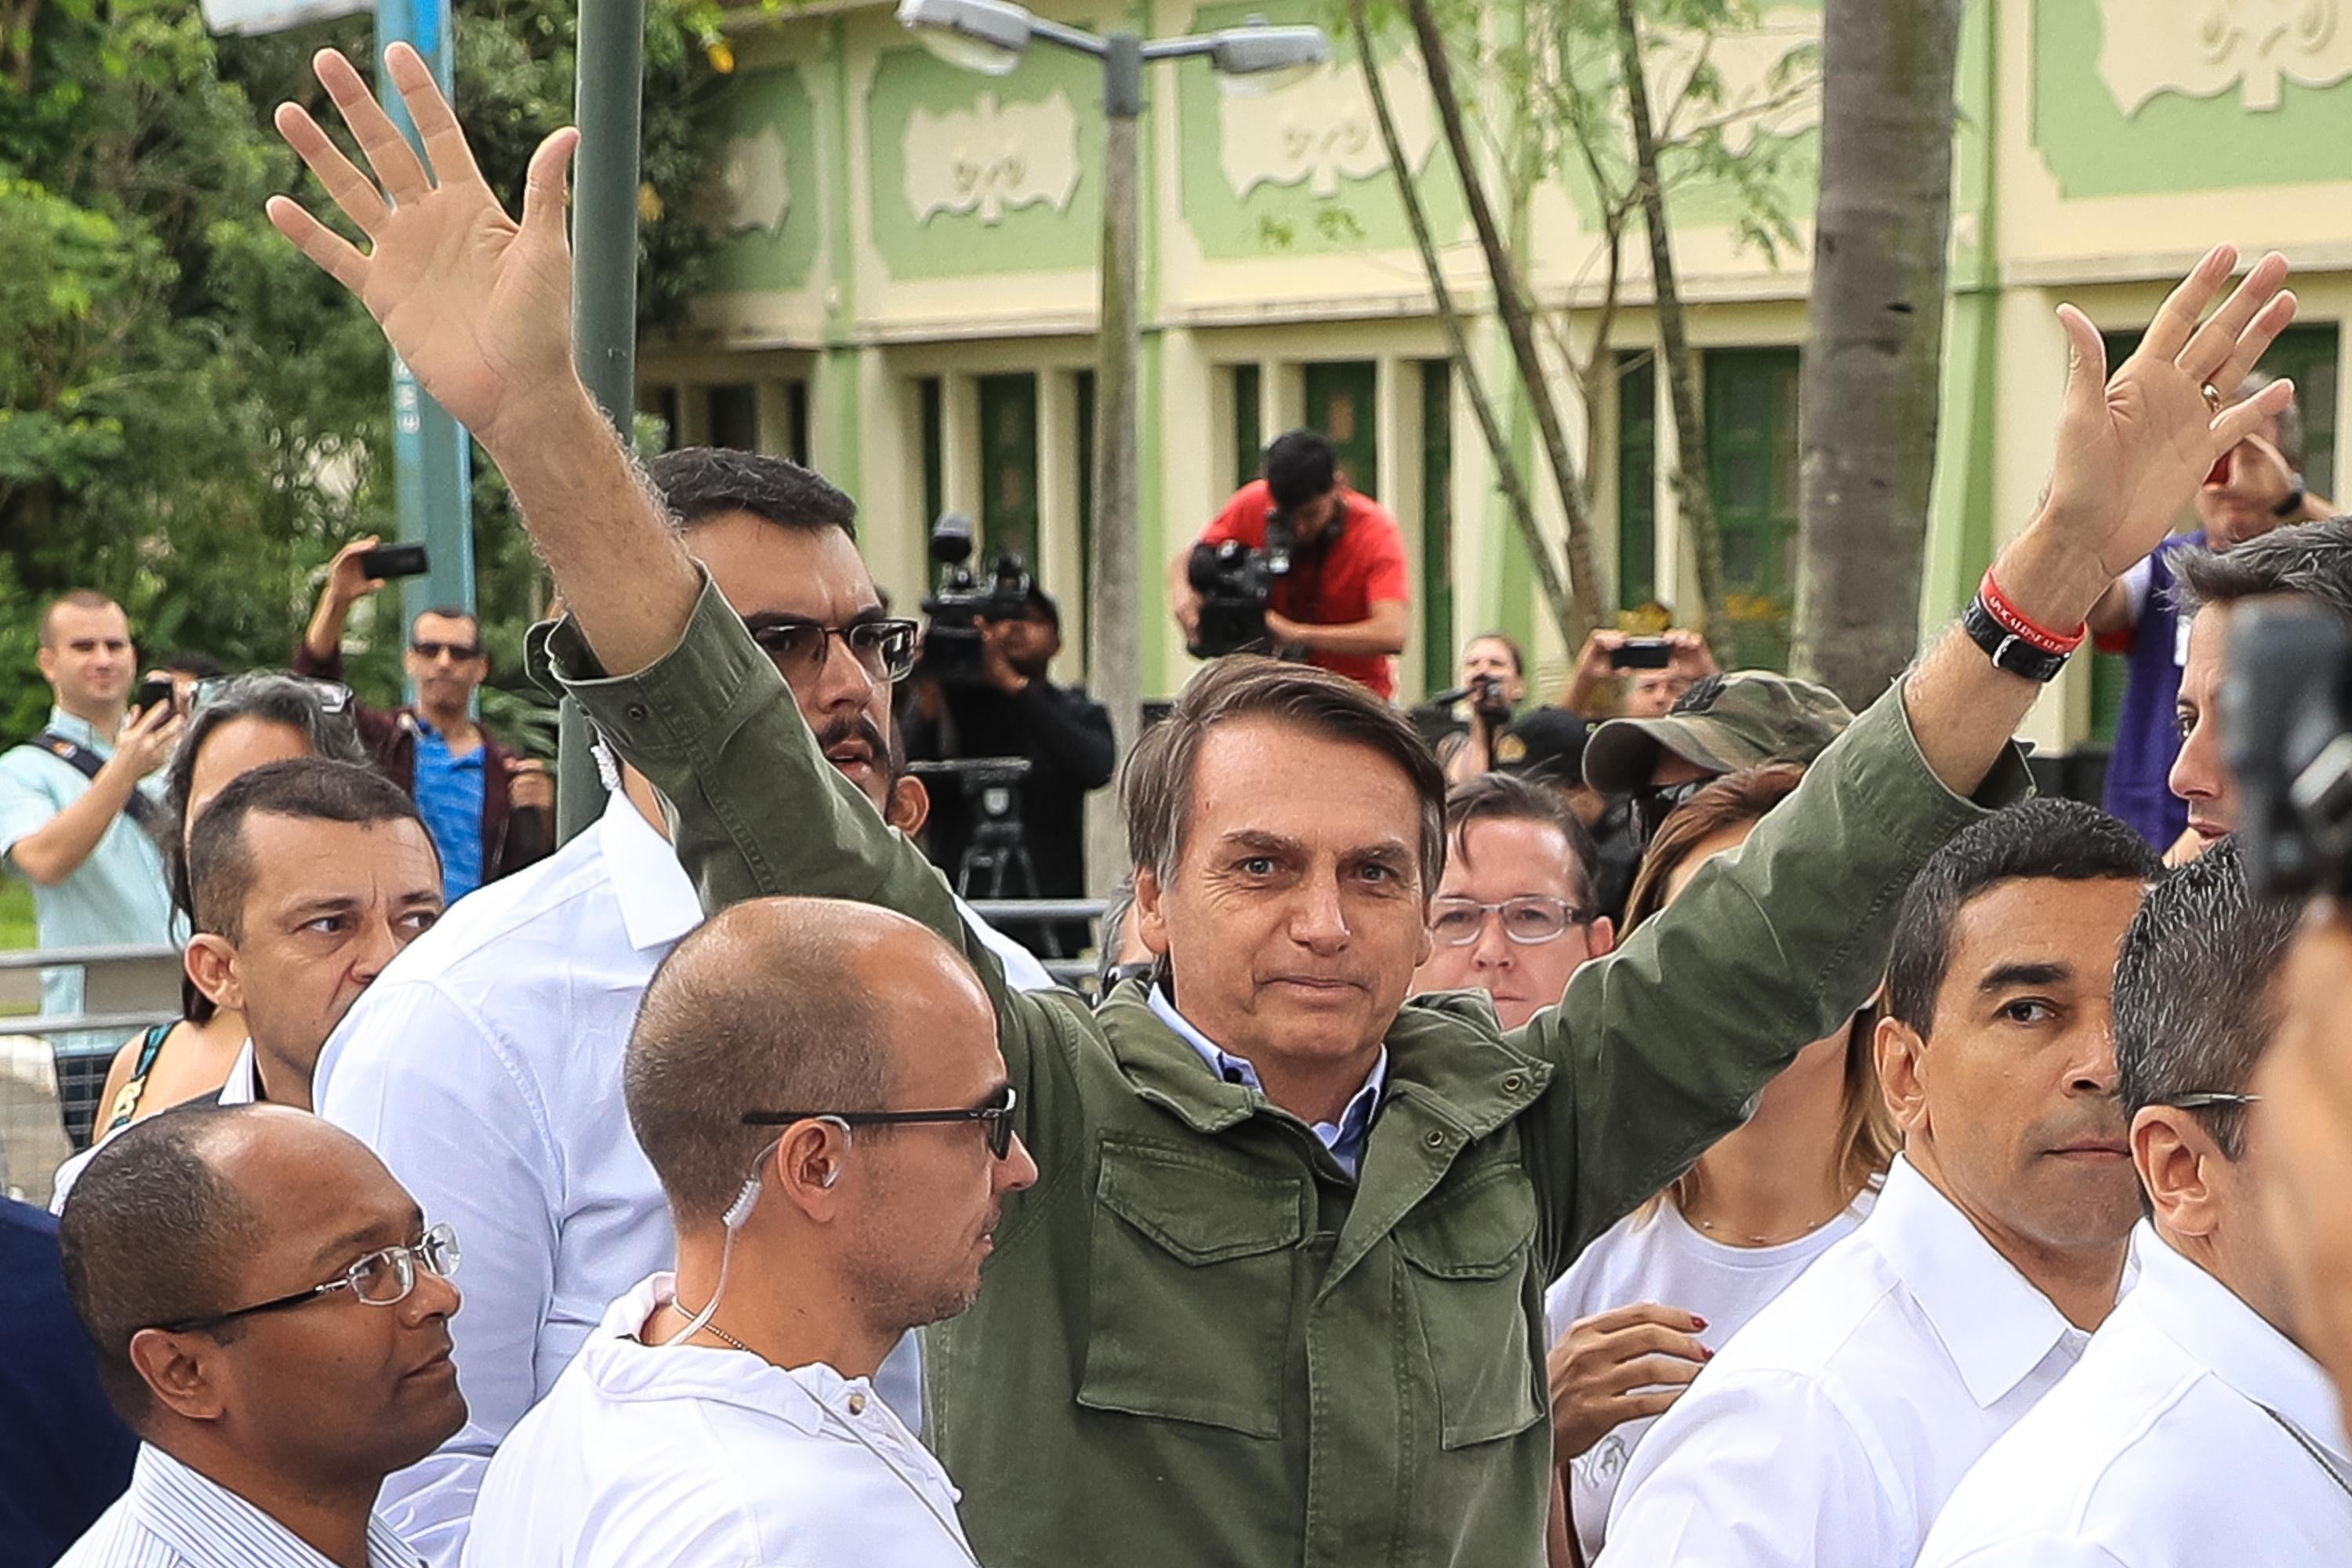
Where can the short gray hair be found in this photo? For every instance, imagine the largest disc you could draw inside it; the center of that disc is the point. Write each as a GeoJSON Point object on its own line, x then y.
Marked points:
{"type": "Point", "coordinates": [2194, 1003]}
{"type": "Point", "coordinates": [2302, 560]}
{"type": "Point", "coordinates": [1156, 788]}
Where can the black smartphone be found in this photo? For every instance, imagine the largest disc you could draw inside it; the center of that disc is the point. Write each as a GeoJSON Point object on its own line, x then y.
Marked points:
{"type": "Point", "coordinates": [155, 689]}
{"type": "Point", "coordinates": [394, 561]}
{"type": "Point", "coordinates": [1641, 653]}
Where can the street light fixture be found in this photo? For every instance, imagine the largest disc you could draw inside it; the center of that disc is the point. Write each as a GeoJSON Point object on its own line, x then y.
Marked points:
{"type": "Point", "coordinates": [990, 37]}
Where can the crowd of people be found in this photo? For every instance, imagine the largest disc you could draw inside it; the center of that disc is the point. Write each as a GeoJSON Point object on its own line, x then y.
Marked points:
{"type": "Point", "coordinates": [1737, 1130]}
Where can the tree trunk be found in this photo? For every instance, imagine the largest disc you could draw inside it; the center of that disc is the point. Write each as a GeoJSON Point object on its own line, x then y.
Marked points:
{"type": "Point", "coordinates": [1457, 343]}
{"type": "Point", "coordinates": [1867, 400]}
{"type": "Point", "coordinates": [1518, 321]}
{"type": "Point", "coordinates": [1694, 500]}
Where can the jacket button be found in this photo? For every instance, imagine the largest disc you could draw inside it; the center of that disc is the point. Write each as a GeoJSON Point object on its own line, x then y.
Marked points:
{"type": "Point", "coordinates": [1435, 1140]}
{"type": "Point", "coordinates": [638, 712]}
{"type": "Point", "coordinates": [1513, 1083]}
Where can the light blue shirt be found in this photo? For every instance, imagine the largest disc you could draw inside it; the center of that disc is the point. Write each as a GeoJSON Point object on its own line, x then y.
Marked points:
{"type": "Point", "coordinates": [1345, 1138]}
{"type": "Point", "coordinates": [120, 895]}
{"type": "Point", "coordinates": [449, 798]}
{"type": "Point", "coordinates": [175, 1518]}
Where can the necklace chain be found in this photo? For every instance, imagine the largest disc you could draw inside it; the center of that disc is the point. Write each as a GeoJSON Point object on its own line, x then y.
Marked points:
{"type": "Point", "coordinates": [1710, 1228]}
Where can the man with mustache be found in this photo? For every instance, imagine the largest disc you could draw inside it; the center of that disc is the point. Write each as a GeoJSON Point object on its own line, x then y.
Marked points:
{"type": "Point", "coordinates": [487, 1071]}
{"type": "Point", "coordinates": [819, 1087]}
{"type": "Point", "coordinates": [270, 1314]}
{"type": "Point", "coordinates": [1831, 1428]}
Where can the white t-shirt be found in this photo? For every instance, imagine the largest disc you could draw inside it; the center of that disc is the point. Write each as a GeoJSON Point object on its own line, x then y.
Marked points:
{"type": "Point", "coordinates": [1661, 1258]}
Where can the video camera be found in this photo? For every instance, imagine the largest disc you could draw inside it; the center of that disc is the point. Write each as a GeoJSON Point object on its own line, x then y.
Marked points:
{"type": "Point", "coordinates": [964, 602]}
{"type": "Point", "coordinates": [1234, 582]}
{"type": "Point", "coordinates": [2286, 711]}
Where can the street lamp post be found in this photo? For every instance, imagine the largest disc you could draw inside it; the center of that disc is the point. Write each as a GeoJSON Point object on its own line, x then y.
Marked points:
{"type": "Point", "coordinates": [989, 35]}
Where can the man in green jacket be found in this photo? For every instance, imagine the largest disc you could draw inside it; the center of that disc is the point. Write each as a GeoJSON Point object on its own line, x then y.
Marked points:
{"type": "Point", "coordinates": [1276, 1296]}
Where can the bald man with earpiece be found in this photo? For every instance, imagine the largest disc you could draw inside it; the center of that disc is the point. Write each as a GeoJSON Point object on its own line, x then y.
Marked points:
{"type": "Point", "coordinates": [818, 1086]}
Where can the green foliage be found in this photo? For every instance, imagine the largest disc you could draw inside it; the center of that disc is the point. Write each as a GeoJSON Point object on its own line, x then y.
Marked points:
{"type": "Point", "coordinates": [192, 417]}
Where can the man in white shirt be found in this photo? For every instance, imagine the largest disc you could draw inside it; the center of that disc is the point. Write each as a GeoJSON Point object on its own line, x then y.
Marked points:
{"type": "Point", "coordinates": [2196, 1429]}
{"type": "Point", "coordinates": [818, 1085]}
{"type": "Point", "coordinates": [270, 1315]}
{"type": "Point", "coordinates": [486, 1069]}
{"type": "Point", "coordinates": [1829, 1430]}
{"type": "Point", "coordinates": [307, 876]}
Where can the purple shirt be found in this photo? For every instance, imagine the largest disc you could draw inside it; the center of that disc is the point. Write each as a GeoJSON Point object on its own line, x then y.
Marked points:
{"type": "Point", "coordinates": [2148, 733]}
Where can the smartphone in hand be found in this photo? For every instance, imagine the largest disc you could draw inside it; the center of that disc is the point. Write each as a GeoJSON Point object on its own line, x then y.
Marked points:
{"type": "Point", "coordinates": [153, 690]}
{"type": "Point", "coordinates": [394, 561]}
{"type": "Point", "coordinates": [1641, 653]}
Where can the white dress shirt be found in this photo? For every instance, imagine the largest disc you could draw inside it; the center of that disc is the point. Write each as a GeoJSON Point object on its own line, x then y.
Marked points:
{"type": "Point", "coordinates": [175, 1518]}
{"type": "Point", "coordinates": [242, 1087]}
{"type": "Point", "coordinates": [2179, 1442]}
{"type": "Point", "coordinates": [1830, 1429]}
{"type": "Point", "coordinates": [1661, 1256]}
{"type": "Point", "coordinates": [679, 1455]}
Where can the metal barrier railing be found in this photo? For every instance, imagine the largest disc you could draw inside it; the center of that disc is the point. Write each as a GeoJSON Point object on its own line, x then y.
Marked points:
{"type": "Point", "coordinates": [127, 989]}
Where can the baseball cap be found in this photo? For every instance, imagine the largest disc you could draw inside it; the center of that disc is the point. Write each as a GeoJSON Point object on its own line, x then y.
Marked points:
{"type": "Point", "coordinates": [1543, 743]}
{"type": "Point", "coordinates": [1723, 724]}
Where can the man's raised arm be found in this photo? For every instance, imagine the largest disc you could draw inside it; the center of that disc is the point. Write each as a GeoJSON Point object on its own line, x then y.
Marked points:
{"type": "Point", "coordinates": [1664, 1041]}
{"type": "Point", "coordinates": [479, 308]}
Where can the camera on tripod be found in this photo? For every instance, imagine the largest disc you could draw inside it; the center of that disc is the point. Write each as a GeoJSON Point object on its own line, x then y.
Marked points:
{"type": "Point", "coordinates": [1234, 582]}
{"type": "Point", "coordinates": [2286, 713]}
{"type": "Point", "coordinates": [964, 602]}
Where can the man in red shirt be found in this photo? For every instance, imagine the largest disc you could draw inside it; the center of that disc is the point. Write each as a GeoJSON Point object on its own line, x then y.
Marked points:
{"type": "Point", "coordinates": [1345, 600]}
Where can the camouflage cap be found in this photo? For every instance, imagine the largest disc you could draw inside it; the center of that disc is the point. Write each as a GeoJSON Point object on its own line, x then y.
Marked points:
{"type": "Point", "coordinates": [1723, 724]}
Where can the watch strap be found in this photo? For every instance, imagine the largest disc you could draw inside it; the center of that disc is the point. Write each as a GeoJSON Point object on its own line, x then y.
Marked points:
{"type": "Point", "coordinates": [2007, 650]}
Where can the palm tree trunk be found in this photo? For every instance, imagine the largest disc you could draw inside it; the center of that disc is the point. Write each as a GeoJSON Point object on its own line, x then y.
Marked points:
{"type": "Point", "coordinates": [1458, 343]}
{"type": "Point", "coordinates": [1519, 320]}
{"type": "Point", "coordinates": [1694, 500]}
{"type": "Point", "coordinates": [1868, 399]}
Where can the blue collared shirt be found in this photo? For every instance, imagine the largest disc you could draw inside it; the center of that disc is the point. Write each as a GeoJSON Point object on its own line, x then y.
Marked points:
{"type": "Point", "coordinates": [174, 1518]}
{"type": "Point", "coordinates": [449, 792]}
{"type": "Point", "coordinates": [1345, 1138]}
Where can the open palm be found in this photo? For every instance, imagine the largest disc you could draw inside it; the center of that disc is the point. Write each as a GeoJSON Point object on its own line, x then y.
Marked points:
{"type": "Point", "coordinates": [2132, 450]}
{"type": "Point", "coordinates": [477, 305]}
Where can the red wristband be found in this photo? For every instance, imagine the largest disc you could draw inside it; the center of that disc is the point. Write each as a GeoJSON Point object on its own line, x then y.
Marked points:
{"type": "Point", "coordinates": [2014, 621]}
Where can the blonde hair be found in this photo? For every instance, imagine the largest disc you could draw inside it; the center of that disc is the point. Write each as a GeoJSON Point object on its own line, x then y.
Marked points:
{"type": "Point", "coordinates": [1867, 1141]}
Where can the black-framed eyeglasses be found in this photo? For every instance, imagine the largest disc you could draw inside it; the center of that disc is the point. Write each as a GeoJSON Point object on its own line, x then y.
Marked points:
{"type": "Point", "coordinates": [382, 1278]}
{"type": "Point", "coordinates": [331, 696]}
{"type": "Point", "coordinates": [884, 650]}
{"type": "Point", "coordinates": [461, 651]}
{"type": "Point", "coordinates": [2212, 1098]}
{"type": "Point", "coordinates": [996, 1117]}
{"type": "Point", "coordinates": [1653, 804]}
{"type": "Point", "coordinates": [1530, 919]}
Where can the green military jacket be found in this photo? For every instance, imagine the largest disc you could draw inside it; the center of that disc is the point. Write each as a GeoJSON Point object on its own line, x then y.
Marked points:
{"type": "Point", "coordinates": [1199, 1341]}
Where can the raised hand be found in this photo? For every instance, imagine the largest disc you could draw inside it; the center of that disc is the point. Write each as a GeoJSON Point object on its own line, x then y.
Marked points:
{"type": "Point", "coordinates": [2133, 450]}
{"type": "Point", "coordinates": [477, 306]}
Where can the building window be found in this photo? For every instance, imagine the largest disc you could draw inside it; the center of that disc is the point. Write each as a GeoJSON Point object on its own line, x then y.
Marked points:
{"type": "Point", "coordinates": [1085, 445]}
{"type": "Point", "coordinates": [1637, 479]}
{"type": "Point", "coordinates": [1249, 431]}
{"type": "Point", "coordinates": [660, 405]}
{"type": "Point", "coordinates": [2311, 356]}
{"type": "Point", "coordinates": [1008, 463]}
{"type": "Point", "coordinates": [734, 412]}
{"type": "Point", "coordinates": [1341, 403]}
{"type": "Point", "coordinates": [1437, 523]}
{"type": "Point", "coordinates": [796, 422]}
{"type": "Point", "coordinates": [930, 398]}
{"type": "Point", "coordinates": [1752, 459]}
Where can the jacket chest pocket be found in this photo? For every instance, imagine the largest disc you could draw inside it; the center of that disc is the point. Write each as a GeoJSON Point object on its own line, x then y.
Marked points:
{"type": "Point", "coordinates": [1466, 1259]}
{"type": "Point", "coordinates": [1191, 1290]}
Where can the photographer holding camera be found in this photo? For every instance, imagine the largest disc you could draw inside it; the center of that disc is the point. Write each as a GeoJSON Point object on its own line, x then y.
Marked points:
{"type": "Point", "coordinates": [985, 695]}
{"type": "Point", "coordinates": [1299, 561]}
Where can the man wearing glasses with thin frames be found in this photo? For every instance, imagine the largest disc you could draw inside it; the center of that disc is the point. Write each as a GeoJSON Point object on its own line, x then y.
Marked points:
{"type": "Point", "coordinates": [269, 1311]}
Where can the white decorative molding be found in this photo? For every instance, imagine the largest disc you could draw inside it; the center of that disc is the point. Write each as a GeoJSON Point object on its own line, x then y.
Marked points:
{"type": "Point", "coordinates": [991, 158]}
{"type": "Point", "coordinates": [2201, 48]}
{"type": "Point", "coordinates": [752, 190]}
{"type": "Point", "coordinates": [1759, 96]}
{"type": "Point", "coordinates": [1319, 130]}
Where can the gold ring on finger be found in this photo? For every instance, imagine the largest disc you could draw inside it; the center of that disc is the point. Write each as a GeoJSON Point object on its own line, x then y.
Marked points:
{"type": "Point", "coordinates": [2212, 398]}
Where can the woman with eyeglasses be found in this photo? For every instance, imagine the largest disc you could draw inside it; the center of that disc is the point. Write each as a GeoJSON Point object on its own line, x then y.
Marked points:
{"type": "Point", "coordinates": [1646, 1305]}
{"type": "Point", "coordinates": [235, 724]}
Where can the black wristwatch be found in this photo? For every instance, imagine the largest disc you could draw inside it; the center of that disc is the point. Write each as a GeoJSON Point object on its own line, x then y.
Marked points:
{"type": "Point", "coordinates": [2006, 649]}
